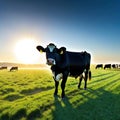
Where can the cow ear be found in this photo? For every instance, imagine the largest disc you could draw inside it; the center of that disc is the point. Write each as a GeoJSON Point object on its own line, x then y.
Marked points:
{"type": "Point", "coordinates": [62, 50]}
{"type": "Point", "coordinates": [40, 48]}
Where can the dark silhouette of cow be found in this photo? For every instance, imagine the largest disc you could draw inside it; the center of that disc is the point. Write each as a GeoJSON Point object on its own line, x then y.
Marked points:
{"type": "Point", "coordinates": [13, 69]}
{"type": "Point", "coordinates": [107, 66]}
{"type": "Point", "coordinates": [114, 65]}
{"type": "Point", "coordinates": [64, 63]}
{"type": "Point", "coordinates": [99, 66]}
{"type": "Point", "coordinates": [119, 66]}
{"type": "Point", "coordinates": [3, 68]}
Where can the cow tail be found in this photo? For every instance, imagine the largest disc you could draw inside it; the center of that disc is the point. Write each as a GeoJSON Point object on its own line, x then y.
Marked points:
{"type": "Point", "coordinates": [90, 75]}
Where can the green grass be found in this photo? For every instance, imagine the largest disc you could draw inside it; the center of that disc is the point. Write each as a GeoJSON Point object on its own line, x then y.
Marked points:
{"type": "Point", "coordinates": [28, 95]}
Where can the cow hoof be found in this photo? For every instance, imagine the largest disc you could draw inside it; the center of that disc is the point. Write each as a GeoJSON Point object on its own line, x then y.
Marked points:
{"type": "Point", "coordinates": [63, 98]}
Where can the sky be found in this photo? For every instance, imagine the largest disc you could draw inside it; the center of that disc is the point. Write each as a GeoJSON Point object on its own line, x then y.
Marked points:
{"type": "Point", "coordinates": [78, 25]}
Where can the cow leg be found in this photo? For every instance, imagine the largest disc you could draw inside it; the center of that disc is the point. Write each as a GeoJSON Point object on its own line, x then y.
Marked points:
{"type": "Point", "coordinates": [63, 88]}
{"type": "Point", "coordinates": [63, 85]}
{"type": "Point", "coordinates": [80, 80]}
{"type": "Point", "coordinates": [56, 87]}
{"type": "Point", "coordinates": [86, 77]}
{"type": "Point", "coordinates": [56, 83]}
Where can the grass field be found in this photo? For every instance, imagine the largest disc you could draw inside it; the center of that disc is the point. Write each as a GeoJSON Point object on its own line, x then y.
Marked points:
{"type": "Point", "coordinates": [28, 95]}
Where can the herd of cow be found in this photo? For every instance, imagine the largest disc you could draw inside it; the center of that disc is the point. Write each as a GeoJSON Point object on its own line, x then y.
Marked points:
{"type": "Point", "coordinates": [107, 66]}
{"type": "Point", "coordinates": [15, 68]}
{"type": "Point", "coordinates": [65, 63]}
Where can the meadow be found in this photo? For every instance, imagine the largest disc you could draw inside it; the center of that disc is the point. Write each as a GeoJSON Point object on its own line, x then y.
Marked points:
{"type": "Point", "coordinates": [28, 95]}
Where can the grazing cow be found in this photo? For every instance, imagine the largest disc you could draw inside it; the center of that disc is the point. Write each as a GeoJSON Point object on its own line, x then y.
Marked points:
{"type": "Point", "coordinates": [107, 66]}
{"type": "Point", "coordinates": [114, 65]}
{"type": "Point", "coordinates": [99, 66]}
{"type": "Point", "coordinates": [119, 66]}
{"type": "Point", "coordinates": [64, 63]}
{"type": "Point", "coordinates": [3, 68]}
{"type": "Point", "coordinates": [13, 68]}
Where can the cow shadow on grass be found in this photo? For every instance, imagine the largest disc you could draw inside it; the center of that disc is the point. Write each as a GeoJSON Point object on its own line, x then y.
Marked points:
{"type": "Point", "coordinates": [105, 78]}
{"type": "Point", "coordinates": [99, 75]}
{"type": "Point", "coordinates": [100, 103]}
{"type": "Point", "coordinates": [88, 105]}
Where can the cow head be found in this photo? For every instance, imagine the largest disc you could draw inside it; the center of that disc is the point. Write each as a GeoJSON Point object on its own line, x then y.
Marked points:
{"type": "Point", "coordinates": [53, 54]}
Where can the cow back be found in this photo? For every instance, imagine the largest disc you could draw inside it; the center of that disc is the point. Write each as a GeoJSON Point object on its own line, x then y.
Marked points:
{"type": "Point", "coordinates": [78, 62]}
{"type": "Point", "coordinates": [78, 58]}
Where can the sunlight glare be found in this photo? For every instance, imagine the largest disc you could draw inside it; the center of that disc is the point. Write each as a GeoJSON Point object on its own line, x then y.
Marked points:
{"type": "Point", "coordinates": [25, 51]}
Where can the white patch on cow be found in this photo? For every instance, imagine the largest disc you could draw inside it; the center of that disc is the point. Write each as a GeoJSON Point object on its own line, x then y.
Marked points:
{"type": "Point", "coordinates": [84, 73]}
{"type": "Point", "coordinates": [58, 77]}
{"type": "Point", "coordinates": [51, 48]}
{"type": "Point", "coordinates": [54, 63]}
{"type": "Point", "coordinates": [51, 61]}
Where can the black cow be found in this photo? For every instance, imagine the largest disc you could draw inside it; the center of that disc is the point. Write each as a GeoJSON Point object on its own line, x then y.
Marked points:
{"type": "Point", "coordinates": [3, 68]}
{"type": "Point", "coordinates": [118, 65]}
{"type": "Point", "coordinates": [13, 68]}
{"type": "Point", "coordinates": [64, 63]}
{"type": "Point", "coordinates": [114, 65]}
{"type": "Point", "coordinates": [99, 66]}
{"type": "Point", "coordinates": [107, 66]}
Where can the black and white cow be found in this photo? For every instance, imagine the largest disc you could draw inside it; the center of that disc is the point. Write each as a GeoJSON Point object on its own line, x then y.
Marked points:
{"type": "Point", "coordinates": [13, 69]}
{"type": "Point", "coordinates": [64, 63]}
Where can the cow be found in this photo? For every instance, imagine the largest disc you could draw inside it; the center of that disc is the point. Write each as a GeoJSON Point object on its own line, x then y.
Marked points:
{"type": "Point", "coordinates": [119, 66]}
{"type": "Point", "coordinates": [107, 66]}
{"type": "Point", "coordinates": [3, 68]}
{"type": "Point", "coordinates": [13, 69]}
{"type": "Point", "coordinates": [99, 66]}
{"type": "Point", "coordinates": [65, 63]}
{"type": "Point", "coordinates": [114, 65]}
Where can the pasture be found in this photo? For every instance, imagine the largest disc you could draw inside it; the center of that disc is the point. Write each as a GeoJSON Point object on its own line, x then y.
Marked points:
{"type": "Point", "coordinates": [28, 95]}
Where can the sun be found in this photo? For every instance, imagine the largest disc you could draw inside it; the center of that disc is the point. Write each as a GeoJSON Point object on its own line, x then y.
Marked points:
{"type": "Point", "coordinates": [25, 51]}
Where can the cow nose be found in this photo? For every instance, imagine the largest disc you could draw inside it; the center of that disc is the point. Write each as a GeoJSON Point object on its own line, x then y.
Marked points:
{"type": "Point", "coordinates": [50, 61]}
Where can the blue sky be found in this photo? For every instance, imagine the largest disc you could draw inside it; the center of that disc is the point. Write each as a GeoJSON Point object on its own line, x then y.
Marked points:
{"type": "Point", "coordinates": [79, 25]}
